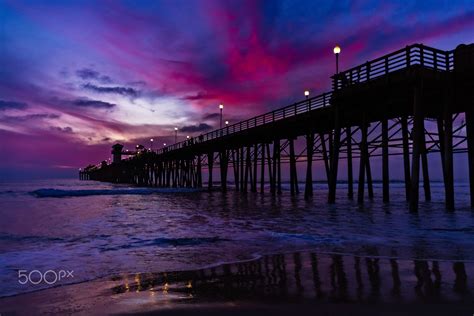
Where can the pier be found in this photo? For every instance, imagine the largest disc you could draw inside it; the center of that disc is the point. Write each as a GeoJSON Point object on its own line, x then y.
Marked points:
{"type": "Point", "coordinates": [410, 103]}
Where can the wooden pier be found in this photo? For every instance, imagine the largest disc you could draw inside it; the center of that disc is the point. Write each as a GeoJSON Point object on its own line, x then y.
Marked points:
{"type": "Point", "coordinates": [410, 103]}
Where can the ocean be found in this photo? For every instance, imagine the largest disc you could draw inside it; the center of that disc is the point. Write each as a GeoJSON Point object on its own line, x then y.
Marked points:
{"type": "Point", "coordinates": [97, 230]}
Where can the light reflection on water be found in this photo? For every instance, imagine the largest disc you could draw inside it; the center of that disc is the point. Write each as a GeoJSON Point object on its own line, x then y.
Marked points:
{"type": "Point", "coordinates": [103, 235]}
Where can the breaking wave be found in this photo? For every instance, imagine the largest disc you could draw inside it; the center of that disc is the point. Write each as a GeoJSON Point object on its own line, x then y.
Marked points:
{"type": "Point", "coordinates": [131, 191]}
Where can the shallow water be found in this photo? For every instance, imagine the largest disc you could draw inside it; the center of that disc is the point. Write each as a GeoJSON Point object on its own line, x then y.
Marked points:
{"type": "Point", "coordinates": [98, 229]}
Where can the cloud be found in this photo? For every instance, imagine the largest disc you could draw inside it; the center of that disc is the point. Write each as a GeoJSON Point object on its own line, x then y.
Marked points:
{"type": "Point", "coordinates": [198, 96]}
{"type": "Point", "coordinates": [91, 74]}
{"type": "Point", "coordinates": [66, 130]}
{"type": "Point", "coordinates": [7, 105]}
{"type": "Point", "coordinates": [93, 104]}
{"type": "Point", "coordinates": [196, 128]}
{"type": "Point", "coordinates": [211, 116]}
{"type": "Point", "coordinates": [126, 91]}
{"type": "Point", "coordinates": [29, 117]}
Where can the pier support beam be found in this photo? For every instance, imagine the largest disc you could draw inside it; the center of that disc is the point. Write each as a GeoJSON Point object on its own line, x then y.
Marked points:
{"type": "Point", "coordinates": [255, 161]}
{"type": "Point", "coordinates": [308, 189]}
{"type": "Point", "coordinates": [448, 158]}
{"type": "Point", "coordinates": [362, 164]}
{"type": "Point", "coordinates": [262, 169]}
{"type": "Point", "coordinates": [418, 135]}
{"type": "Point", "coordinates": [350, 177]}
{"type": "Point", "coordinates": [325, 156]}
{"type": "Point", "coordinates": [223, 160]}
{"type": "Point", "coordinates": [406, 156]}
{"type": "Point", "coordinates": [334, 157]}
{"type": "Point", "coordinates": [210, 163]}
{"type": "Point", "coordinates": [470, 147]}
{"type": "Point", "coordinates": [426, 175]}
{"type": "Point", "coordinates": [385, 172]}
{"type": "Point", "coordinates": [293, 174]}
{"type": "Point", "coordinates": [235, 164]}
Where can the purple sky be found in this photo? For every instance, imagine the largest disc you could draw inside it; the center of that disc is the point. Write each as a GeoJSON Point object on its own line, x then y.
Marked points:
{"type": "Point", "coordinates": [77, 76]}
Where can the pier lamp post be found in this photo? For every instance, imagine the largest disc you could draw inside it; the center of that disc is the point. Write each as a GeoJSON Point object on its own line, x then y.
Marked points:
{"type": "Point", "coordinates": [151, 144]}
{"type": "Point", "coordinates": [306, 94]}
{"type": "Point", "coordinates": [337, 51]}
{"type": "Point", "coordinates": [164, 144]}
{"type": "Point", "coordinates": [175, 135]}
{"type": "Point", "coordinates": [221, 107]}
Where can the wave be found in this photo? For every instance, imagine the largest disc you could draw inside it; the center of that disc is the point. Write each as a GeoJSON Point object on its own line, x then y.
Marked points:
{"type": "Point", "coordinates": [167, 242]}
{"type": "Point", "coordinates": [134, 191]}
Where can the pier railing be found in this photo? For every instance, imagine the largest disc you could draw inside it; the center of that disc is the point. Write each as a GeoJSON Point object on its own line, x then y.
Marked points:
{"type": "Point", "coordinates": [297, 108]}
{"type": "Point", "coordinates": [416, 54]}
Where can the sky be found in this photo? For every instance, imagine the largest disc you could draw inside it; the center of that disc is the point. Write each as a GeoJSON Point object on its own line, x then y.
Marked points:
{"type": "Point", "coordinates": [78, 76]}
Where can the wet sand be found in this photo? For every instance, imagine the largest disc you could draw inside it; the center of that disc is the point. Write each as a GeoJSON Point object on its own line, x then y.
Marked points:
{"type": "Point", "coordinates": [300, 283]}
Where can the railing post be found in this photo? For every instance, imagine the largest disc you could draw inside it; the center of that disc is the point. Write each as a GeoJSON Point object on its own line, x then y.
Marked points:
{"type": "Point", "coordinates": [367, 67]}
{"type": "Point", "coordinates": [422, 62]}
{"type": "Point", "coordinates": [435, 60]}
{"type": "Point", "coordinates": [408, 56]}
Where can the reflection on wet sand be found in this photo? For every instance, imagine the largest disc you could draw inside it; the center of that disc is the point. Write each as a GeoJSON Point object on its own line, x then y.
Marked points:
{"type": "Point", "coordinates": [311, 276]}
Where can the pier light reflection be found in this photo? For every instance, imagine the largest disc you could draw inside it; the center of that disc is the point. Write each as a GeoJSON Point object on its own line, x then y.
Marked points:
{"type": "Point", "coordinates": [324, 277]}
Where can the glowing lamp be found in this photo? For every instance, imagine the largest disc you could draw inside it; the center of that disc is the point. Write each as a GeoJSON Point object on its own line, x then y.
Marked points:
{"type": "Point", "coordinates": [337, 49]}
{"type": "Point", "coordinates": [221, 106]}
{"type": "Point", "coordinates": [306, 93]}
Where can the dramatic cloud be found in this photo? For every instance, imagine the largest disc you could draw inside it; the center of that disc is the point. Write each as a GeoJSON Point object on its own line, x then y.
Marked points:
{"type": "Point", "coordinates": [125, 91]}
{"type": "Point", "coordinates": [7, 105]}
{"type": "Point", "coordinates": [93, 104]}
{"type": "Point", "coordinates": [91, 74]}
{"type": "Point", "coordinates": [140, 71]}
{"type": "Point", "coordinates": [211, 116]}
{"type": "Point", "coordinates": [198, 96]}
{"type": "Point", "coordinates": [29, 117]}
{"type": "Point", "coordinates": [196, 128]}
{"type": "Point", "coordinates": [66, 130]}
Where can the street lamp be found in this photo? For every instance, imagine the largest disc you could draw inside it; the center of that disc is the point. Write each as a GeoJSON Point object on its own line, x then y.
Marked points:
{"type": "Point", "coordinates": [164, 144]}
{"type": "Point", "coordinates": [151, 143]}
{"type": "Point", "coordinates": [221, 107]}
{"type": "Point", "coordinates": [175, 135]}
{"type": "Point", "coordinates": [306, 94]}
{"type": "Point", "coordinates": [337, 51]}
{"type": "Point", "coordinates": [188, 137]}
{"type": "Point", "coordinates": [226, 123]}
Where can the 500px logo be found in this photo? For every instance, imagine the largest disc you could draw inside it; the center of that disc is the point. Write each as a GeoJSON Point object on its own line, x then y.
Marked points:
{"type": "Point", "coordinates": [48, 277]}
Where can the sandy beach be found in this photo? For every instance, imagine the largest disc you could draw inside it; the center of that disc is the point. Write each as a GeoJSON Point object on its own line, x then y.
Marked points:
{"type": "Point", "coordinates": [301, 283]}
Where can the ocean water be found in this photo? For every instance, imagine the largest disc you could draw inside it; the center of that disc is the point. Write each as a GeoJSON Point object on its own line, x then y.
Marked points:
{"type": "Point", "coordinates": [99, 230]}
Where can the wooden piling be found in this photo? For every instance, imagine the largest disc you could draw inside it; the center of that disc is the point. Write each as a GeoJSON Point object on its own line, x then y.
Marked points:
{"type": "Point", "coordinates": [255, 161]}
{"type": "Point", "coordinates": [210, 163]}
{"type": "Point", "coordinates": [385, 170]}
{"type": "Point", "coordinates": [406, 156]}
{"type": "Point", "coordinates": [448, 158]}
{"type": "Point", "coordinates": [335, 146]}
{"type": "Point", "coordinates": [308, 189]}
{"type": "Point", "coordinates": [426, 175]}
{"type": "Point", "coordinates": [325, 156]}
{"type": "Point", "coordinates": [469, 116]}
{"type": "Point", "coordinates": [418, 134]}
{"type": "Point", "coordinates": [362, 162]}
{"type": "Point", "coordinates": [293, 176]}
{"type": "Point", "coordinates": [262, 169]}
{"type": "Point", "coordinates": [350, 177]}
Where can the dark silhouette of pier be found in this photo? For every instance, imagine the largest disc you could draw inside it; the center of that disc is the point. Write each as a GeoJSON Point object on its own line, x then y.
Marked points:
{"type": "Point", "coordinates": [412, 102]}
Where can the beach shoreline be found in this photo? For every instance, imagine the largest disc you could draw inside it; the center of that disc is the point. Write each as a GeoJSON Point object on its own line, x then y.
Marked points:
{"type": "Point", "coordinates": [300, 282]}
